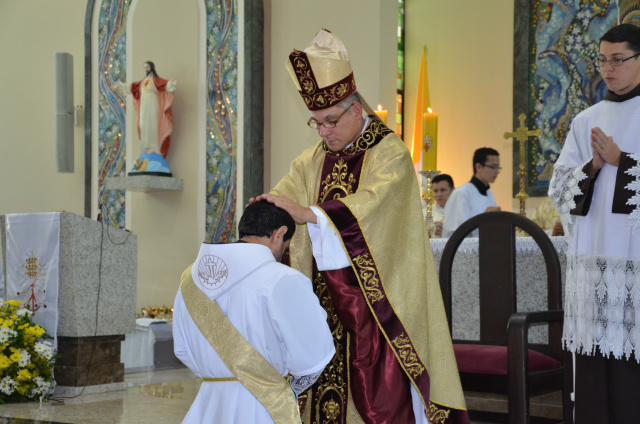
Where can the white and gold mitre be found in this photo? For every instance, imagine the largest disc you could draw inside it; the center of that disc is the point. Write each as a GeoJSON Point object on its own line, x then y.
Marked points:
{"type": "Point", "coordinates": [322, 72]}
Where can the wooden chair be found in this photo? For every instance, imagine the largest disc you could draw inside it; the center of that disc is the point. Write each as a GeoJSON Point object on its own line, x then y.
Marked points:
{"type": "Point", "coordinates": [497, 362]}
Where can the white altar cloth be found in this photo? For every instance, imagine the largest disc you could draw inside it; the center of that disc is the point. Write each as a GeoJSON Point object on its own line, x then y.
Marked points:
{"type": "Point", "coordinates": [137, 350]}
{"type": "Point", "coordinates": [530, 276]}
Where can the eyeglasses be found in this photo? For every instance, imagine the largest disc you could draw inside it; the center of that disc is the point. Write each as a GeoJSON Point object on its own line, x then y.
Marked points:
{"type": "Point", "coordinates": [327, 124]}
{"type": "Point", "coordinates": [615, 62]}
{"type": "Point", "coordinates": [493, 167]}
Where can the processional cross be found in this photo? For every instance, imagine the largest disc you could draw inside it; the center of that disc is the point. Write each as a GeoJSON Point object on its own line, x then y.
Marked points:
{"type": "Point", "coordinates": [522, 134]}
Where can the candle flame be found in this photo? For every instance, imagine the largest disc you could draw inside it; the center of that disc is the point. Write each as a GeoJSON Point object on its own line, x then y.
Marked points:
{"type": "Point", "coordinates": [379, 107]}
{"type": "Point", "coordinates": [429, 109]}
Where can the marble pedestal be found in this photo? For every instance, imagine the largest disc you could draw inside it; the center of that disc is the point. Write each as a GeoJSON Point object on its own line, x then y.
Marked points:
{"type": "Point", "coordinates": [96, 302]}
{"type": "Point", "coordinates": [146, 183]}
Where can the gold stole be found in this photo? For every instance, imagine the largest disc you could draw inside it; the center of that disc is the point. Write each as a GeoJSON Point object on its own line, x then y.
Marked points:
{"type": "Point", "coordinates": [247, 364]}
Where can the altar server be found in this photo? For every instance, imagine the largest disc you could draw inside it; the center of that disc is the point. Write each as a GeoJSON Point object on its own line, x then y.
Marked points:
{"type": "Point", "coordinates": [243, 322]}
{"type": "Point", "coordinates": [474, 197]}
{"type": "Point", "coordinates": [357, 191]}
{"type": "Point", "coordinates": [596, 188]}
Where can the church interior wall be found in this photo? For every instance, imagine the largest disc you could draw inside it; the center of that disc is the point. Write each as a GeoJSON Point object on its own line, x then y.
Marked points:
{"type": "Point", "coordinates": [470, 67]}
{"type": "Point", "coordinates": [469, 78]}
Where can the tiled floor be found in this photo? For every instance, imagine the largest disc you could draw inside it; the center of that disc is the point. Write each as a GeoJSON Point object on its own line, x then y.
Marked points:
{"type": "Point", "coordinates": [160, 397]}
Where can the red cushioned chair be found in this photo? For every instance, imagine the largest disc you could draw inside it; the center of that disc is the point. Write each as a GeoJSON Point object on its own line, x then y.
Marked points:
{"type": "Point", "coordinates": [497, 363]}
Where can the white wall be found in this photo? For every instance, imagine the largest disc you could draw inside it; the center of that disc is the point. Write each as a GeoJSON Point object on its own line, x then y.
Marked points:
{"type": "Point", "coordinates": [31, 32]}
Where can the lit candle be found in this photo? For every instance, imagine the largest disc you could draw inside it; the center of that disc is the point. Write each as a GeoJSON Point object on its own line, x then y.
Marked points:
{"type": "Point", "coordinates": [430, 141]}
{"type": "Point", "coordinates": [382, 114]}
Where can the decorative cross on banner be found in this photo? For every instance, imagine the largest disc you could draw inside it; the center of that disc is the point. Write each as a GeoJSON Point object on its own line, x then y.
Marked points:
{"type": "Point", "coordinates": [522, 134]}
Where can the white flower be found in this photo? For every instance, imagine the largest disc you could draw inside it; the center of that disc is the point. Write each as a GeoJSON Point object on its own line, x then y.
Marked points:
{"type": "Point", "coordinates": [7, 385]}
{"type": "Point", "coordinates": [25, 358]}
{"type": "Point", "coordinates": [23, 312]}
{"type": "Point", "coordinates": [6, 333]}
{"type": "Point", "coordinates": [44, 349]}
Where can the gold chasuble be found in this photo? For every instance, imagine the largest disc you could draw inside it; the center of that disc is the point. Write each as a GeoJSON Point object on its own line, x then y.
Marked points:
{"type": "Point", "coordinates": [385, 311]}
{"type": "Point", "coordinates": [242, 359]}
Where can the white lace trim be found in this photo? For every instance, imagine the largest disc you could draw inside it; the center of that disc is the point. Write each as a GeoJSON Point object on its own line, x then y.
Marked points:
{"type": "Point", "coordinates": [564, 187]}
{"type": "Point", "coordinates": [634, 218]}
{"type": "Point", "coordinates": [602, 306]}
{"type": "Point", "coordinates": [302, 383]}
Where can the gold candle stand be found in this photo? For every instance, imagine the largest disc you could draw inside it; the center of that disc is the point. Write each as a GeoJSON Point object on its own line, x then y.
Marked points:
{"type": "Point", "coordinates": [428, 196]}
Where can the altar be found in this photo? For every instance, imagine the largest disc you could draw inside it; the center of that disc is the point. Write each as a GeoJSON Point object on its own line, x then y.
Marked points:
{"type": "Point", "coordinates": [150, 348]}
{"type": "Point", "coordinates": [530, 277]}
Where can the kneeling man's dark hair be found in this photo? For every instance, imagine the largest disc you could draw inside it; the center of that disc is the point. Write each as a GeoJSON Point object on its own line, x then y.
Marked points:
{"type": "Point", "coordinates": [263, 218]}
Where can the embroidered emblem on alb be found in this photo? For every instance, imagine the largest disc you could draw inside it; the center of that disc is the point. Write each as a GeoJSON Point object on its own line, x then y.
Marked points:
{"type": "Point", "coordinates": [35, 274]}
{"type": "Point", "coordinates": [212, 271]}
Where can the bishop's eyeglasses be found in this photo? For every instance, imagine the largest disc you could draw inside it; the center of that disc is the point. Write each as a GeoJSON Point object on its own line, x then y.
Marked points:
{"type": "Point", "coordinates": [327, 124]}
{"type": "Point", "coordinates": [615, 61]}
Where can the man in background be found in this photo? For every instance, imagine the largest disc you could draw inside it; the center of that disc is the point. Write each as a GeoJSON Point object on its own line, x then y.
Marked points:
{"type": "Point", "coordinates": [442, 187]}
{"type": "Point", "coordinates": [474, 197]}
{"type": "Point", "coordinates": [243, 322]}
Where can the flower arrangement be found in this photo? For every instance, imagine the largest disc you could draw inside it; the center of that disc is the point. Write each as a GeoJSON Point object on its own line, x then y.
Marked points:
{"type": "Point", "coordinates": [26, 357]}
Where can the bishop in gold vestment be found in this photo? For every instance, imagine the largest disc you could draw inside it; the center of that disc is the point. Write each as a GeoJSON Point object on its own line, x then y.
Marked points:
{"type": "Point", "coordinates": [394, 359]}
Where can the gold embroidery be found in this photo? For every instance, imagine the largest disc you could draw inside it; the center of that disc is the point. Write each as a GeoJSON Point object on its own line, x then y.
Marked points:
{"type": "Point", "coordinates": [437, 415]}
{"type": "Point", "coordinates": [32, 291]}
{"type": "Point", "coordinates": [339, 179]}
{"type": "Point", "coordinates": [407, 355]}
{"type": "Point", "coordinates": [330, 391]}
{"type": "Point", "coordinates": [368, 276]}
{"type": "Point", "coordinates": [331, 409]}
{"type": "Point", "coordinates": [315, 97]}
{"type": "Point", "coordinates": [375, 132]}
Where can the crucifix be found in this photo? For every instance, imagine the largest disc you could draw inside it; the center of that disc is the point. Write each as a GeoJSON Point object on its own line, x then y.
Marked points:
{"type": "Point", "coordinates": [522, 134]}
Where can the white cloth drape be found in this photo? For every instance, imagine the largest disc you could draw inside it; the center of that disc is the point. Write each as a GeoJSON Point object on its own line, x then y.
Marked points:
{"type": "Point", "coordinates": [33, 242]}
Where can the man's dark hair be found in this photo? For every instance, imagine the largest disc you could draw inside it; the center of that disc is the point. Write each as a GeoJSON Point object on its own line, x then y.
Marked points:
{"type": "Point", "coordinates": [480, 156]}
{"type": "Point", "coordinates": [153, 68]}
{"type": "Point", "coordinates": [443, 177]}
{"type": "Point", "coordinates": [263, 218]}
{"type": "Point", "coordinates": [628, 33]}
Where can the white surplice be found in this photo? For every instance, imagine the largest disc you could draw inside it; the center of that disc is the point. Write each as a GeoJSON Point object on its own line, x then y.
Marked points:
{"type": "Point", "coordinates": [465, 202]}
{"type": "Point", "coordinates": [272, 306]}
{"type": "Point", "coordinates": [602, 291]}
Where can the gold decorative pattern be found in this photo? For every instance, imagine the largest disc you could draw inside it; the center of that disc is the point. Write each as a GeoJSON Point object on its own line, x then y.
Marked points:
{"type": "Point", "coordinates": [329, 394]}
{"type": "Point", "coordinates": [317, 98]}
{"type": "Point", "coordinates": [339, 179]}
{"type": "Point", "coordinates": [437, 415]}
{"type": "Point", "coordinates": [331, 409]}
{"type": "Point", "coordinates": [368, 275]}
{"type": "Point", "coordinates": [375, 132]}
{"type": "Point", "coordinates": [407, 355]}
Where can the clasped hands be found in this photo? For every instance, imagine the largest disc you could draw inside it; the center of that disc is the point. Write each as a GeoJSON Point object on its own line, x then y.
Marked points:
{"type": "Point", "coordinates": [605, 150]}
